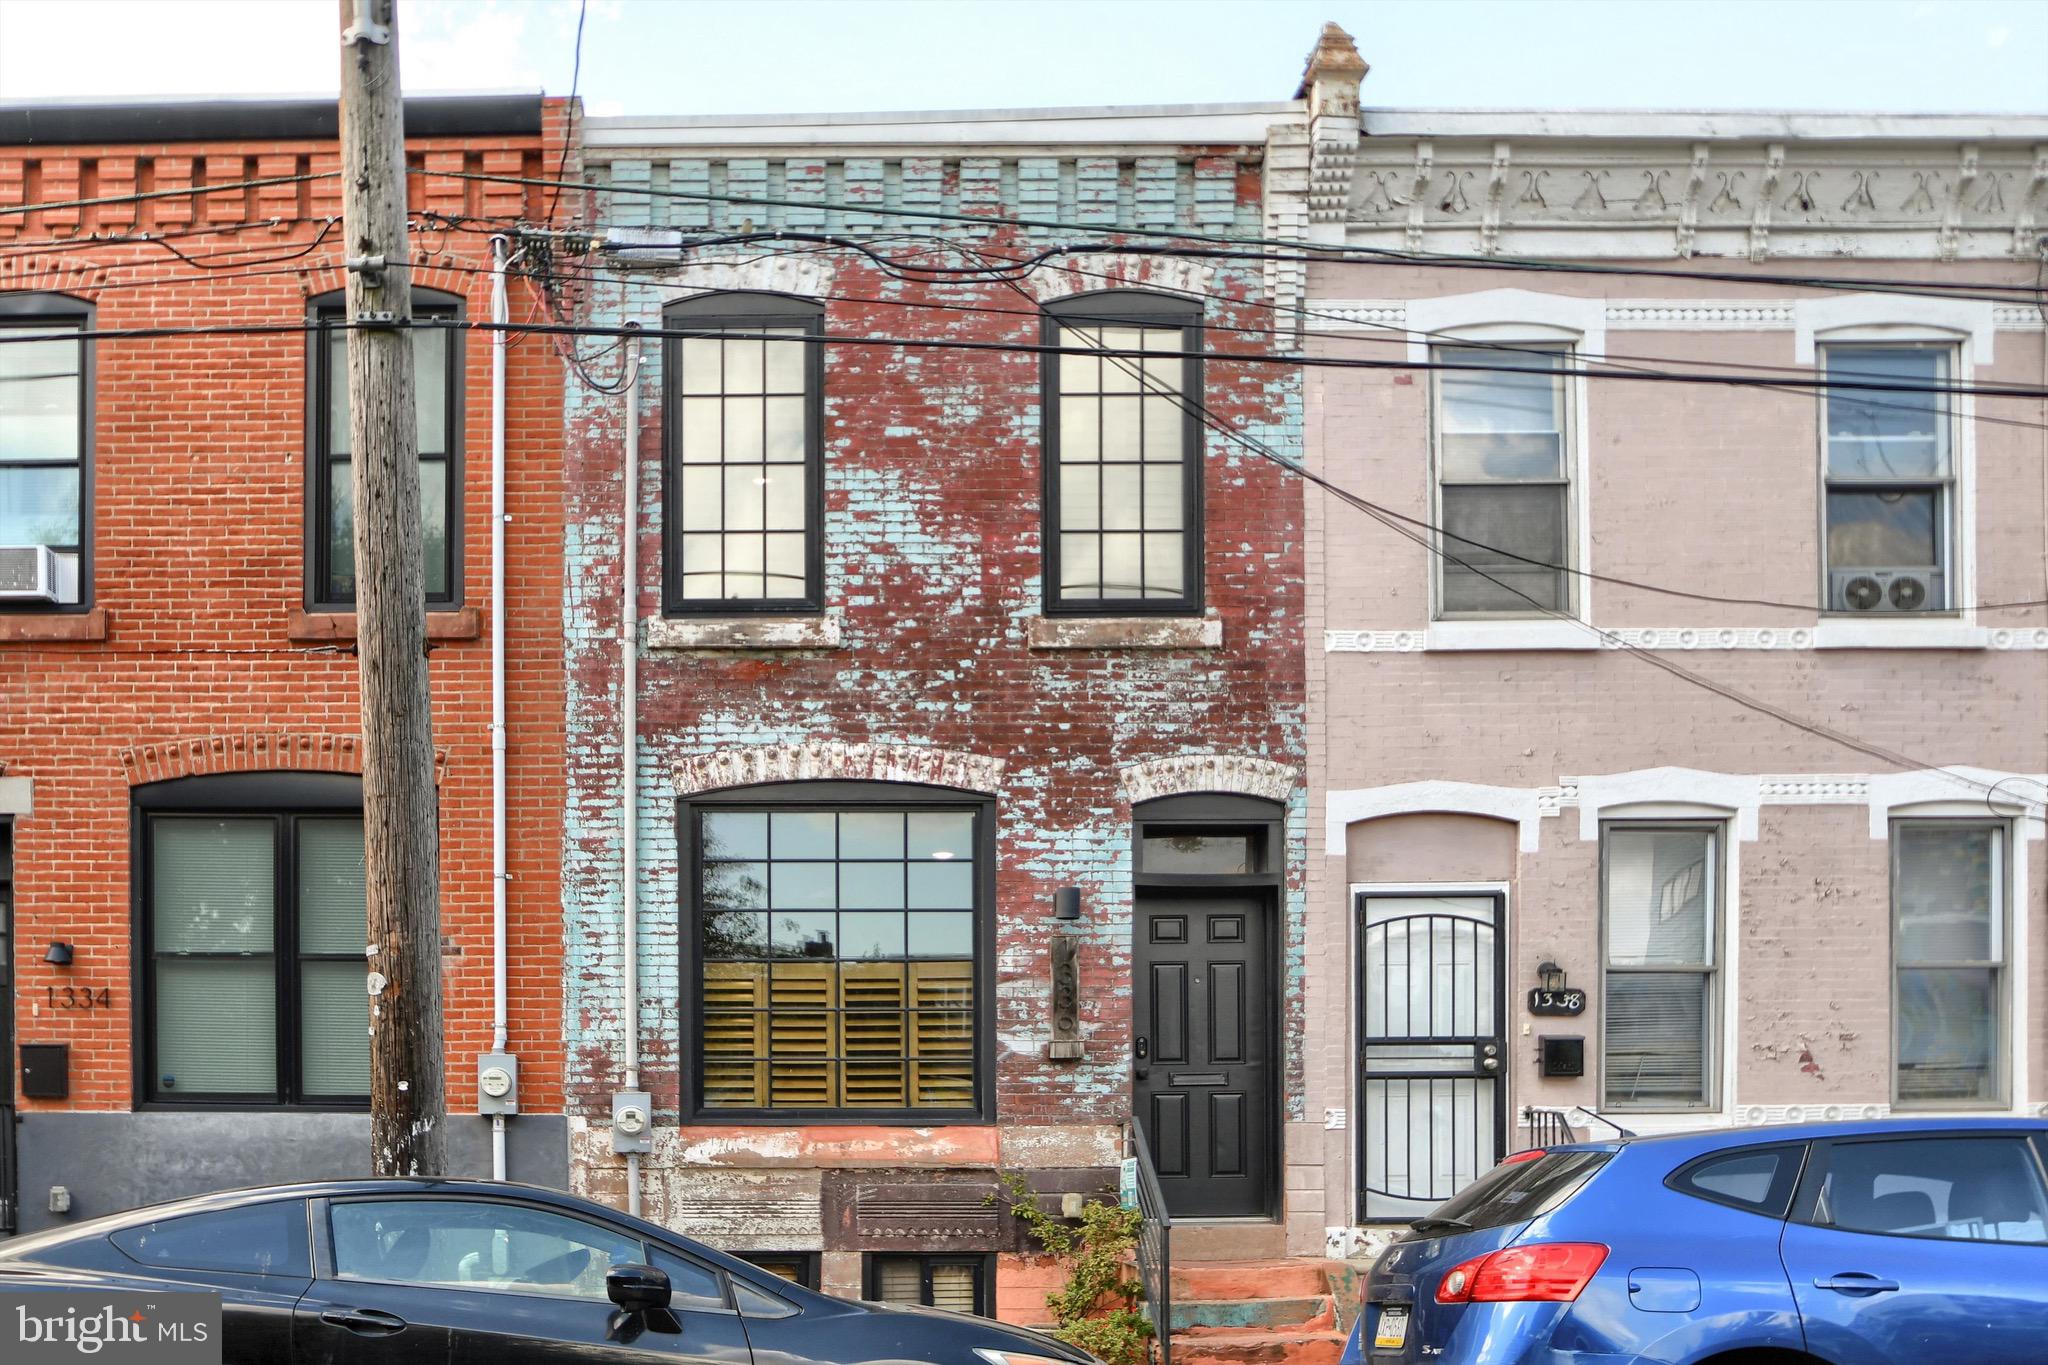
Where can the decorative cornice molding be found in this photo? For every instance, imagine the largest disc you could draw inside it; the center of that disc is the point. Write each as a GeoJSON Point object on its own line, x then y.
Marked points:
{"type": "Point", "coordinates": [1646, 315]}
{"type": "Point", "coordinates": [1236, 774]}
{"type": "Point", "coordinates": [1683, 639]}
{"type": "Point", "coordinates": [833, 761]}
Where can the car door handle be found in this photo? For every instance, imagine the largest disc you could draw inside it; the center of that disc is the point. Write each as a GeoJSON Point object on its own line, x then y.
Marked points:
{"type": "Point", "coordinates": [364, 1322]}
{"type": "Point", "coordinates": [1856, 1282]}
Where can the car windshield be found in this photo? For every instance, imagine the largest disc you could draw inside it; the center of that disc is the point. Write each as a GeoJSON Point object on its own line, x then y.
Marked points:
{"type": "Point", "coordinates": [1513, 1192]}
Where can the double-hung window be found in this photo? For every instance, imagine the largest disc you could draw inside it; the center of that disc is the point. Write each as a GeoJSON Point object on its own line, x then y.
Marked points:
{"type": "Point", "coordinates": [1661, 910]}
{"type": "Point", "coordinates": [437, 398]}
{"type": "Point", "coordinates": [1123, 489]}
{"type": "Point", "coordinates": [842, 954]}
{"type": "Point", "coordinates": [45, 437]}
{"type": "Point", "coordinates": [252, 925]}
{"type": "Point", "coordinates": [1890, 476]}
{"type": "Point", "coordinates": [1949, 951]}
{"type": "Point", "coordinates": [1503, 468]}
{"type": "Point", "coordinates": [744, 465]}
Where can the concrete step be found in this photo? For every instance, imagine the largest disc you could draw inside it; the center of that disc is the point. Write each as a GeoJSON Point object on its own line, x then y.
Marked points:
{"type": "Point", "coordinates": [1258, 1348]}
{"type": "Point", "coordinates": [1229, 1240]}
{"type": "Point", "coordinates": [1205, 1315]}
{"type": "Point", "coordinates": [1250, 1279]}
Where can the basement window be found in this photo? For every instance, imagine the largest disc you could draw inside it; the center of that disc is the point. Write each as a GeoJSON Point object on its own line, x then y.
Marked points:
{"type": "Point", "coordinates": [958, 1284]}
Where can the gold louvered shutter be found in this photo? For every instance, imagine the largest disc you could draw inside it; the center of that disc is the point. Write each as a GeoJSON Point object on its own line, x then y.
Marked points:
{"type": "Point", "coordinates": [872, 996]}
{"type": "Point", "coordinates": [735, 1035]}
{"type": "Point", "coordinates": [803, 1036]}
{"type": "Point", "coordinates": [942, 1034]}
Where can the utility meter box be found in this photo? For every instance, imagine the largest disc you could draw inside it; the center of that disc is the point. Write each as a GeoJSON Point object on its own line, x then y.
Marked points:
{"type": "Point", "coordinates": [497, 1083]}
{"type": "Point", "coordinates": [632, 1121]}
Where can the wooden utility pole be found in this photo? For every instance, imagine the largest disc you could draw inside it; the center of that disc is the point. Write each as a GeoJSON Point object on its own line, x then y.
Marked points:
{"type": "Point", "coordinates": [400, 835]}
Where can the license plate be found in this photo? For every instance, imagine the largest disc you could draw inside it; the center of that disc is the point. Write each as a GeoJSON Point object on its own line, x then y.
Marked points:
{"type": "Point", "coordinates": [1392, 1332]}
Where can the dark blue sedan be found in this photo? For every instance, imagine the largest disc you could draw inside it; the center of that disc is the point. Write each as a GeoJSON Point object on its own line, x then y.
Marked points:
{"type": "Point", "coordinates": [1903, 1242]}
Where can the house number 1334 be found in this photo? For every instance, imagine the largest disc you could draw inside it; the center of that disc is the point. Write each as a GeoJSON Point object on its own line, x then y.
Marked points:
{"type": "Point", "coordinates": [79, 997]}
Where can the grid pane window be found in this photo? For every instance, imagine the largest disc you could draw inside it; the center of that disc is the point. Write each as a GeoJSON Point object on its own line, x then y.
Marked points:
{"type": "Point", "coordinates": [436, 382]}
{"type": "Point", "coordinates": [1889, 479]}
{"type": "Point", "coordinates": [1661, 896]}
{"type": "Point", "coordinates": [743, 455]}
{"type": "Point", "coordinates": [958, 1284]}
{"type": "Point", "coordinates": [1949, 928]}
{"type": "Point", "coordinates": [42, 436]}
{"type": "Point", "coordinates": [839, 959]}
{"type": "Point", "coordinates": [1504, 486]}
{"type": "Point", "coordinates": [256, 929]}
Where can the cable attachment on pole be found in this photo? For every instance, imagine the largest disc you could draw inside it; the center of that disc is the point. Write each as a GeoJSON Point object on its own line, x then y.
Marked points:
{"type": "Point", "coordinates": [366, 29]}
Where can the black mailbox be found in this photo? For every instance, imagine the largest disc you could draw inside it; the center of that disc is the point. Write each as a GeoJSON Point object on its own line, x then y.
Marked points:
{"type": "Point", "coordinates": [46, 1071]}
{"type": "Point", "coordinates": [1562, 1056]}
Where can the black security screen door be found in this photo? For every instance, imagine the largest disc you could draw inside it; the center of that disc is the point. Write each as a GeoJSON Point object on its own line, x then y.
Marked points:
{"type": "Point", "coordinates": [1201, 1052]}
{"type": "Point", "coordinates": [1430, 1049]}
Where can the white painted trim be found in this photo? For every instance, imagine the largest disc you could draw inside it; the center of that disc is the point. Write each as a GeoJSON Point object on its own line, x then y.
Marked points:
{"type": "Point", "coordinates": [2020, 796]}
{"type": "Point", "coordinates": [1507, 315]}
{"type": "Point", "coordinates": [1522, 805]}
{"type": "Point", "coordinates": [1647, 315]}
{"type": "Point", "coordinates": [1453, 636]}
{"type": "Point", "coordinates": [1905, 632]}
{"type": "Point", "coordinates": [1892, 317]}
{"type": "Point", "coordinates": [17, 796]}
{"type": "Point", "coordinates": [1833, 632]}
{"type": "Point", "coordinates": [1714, 796]}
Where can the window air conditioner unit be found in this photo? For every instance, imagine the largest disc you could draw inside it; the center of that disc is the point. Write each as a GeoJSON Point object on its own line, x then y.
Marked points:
{"type": "Point", "coordinates": [1884, 590]}
{"type": "Point", "coordinates": [28, 573]}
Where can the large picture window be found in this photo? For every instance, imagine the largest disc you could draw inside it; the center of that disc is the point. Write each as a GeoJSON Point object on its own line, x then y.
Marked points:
{"type": "Point", "coordinates": [842, 954]}
{"type": "Point", "coordinates": [437, 396]}
{"type": "Point", "coordinates": [1123, 495]}
{"type": "Point", "coordinates": [1661, 894]}
{"type": "Point", "coordinates": [252, 925]}
{"type": "Point", "coordinates": [1503, 465]}
{"type": "Point", "coordinates": [743, 457]}
{"type": "Point", "coordinates": [45, 439]}
{"type": "Point", "coordinates": [1890, 475]}
{"type": "Point", "coordinates": [1949, 950]}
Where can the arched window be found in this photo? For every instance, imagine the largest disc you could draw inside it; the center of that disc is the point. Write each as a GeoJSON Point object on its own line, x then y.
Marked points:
{"type": "Point", "coordinates": [46, 450]}
{"type": "Point", "coordinates": [1123, 455]}
{"type": "Point", "coordinates": [330, 499]}
{"type": "Point", "coordinates": [840, 952]}
{"type": "Point", "coordinates": [742, 455]}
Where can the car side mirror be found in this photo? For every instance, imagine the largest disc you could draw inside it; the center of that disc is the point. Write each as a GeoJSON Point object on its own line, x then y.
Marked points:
{"type": "Point", "coordinates": [637, 1288]}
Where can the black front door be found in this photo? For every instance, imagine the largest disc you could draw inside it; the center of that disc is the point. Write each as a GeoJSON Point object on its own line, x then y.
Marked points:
{"type": "Point", "coordinates": [1202, 1052]}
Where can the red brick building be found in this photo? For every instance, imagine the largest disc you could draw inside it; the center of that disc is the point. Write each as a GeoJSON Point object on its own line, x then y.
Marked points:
{"type": "Point", "coordinates": [179, 811]}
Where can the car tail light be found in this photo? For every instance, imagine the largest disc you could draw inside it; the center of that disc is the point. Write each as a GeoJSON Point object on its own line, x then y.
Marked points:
{"type": "Point", "coordinates": [1548, 1272]}
{"type": "Point", "coordinates": [1519, 1157]}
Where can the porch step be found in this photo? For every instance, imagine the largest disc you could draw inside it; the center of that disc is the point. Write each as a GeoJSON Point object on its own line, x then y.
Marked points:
{"type": "Point", "coordinates": [1277, 1279]}
{"type": "Point", "coordinates": [1259, 1348]}
{"type": "Point", "coordinates": [1202, 1315]}
{"type": "Point", "coordinates": [1248, 1240]}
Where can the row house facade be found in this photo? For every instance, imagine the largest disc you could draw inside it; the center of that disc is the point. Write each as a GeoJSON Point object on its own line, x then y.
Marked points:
{"type": "Point", "coordinates": [955, 768]}
{"type": "Point", "coordinates": [181, 888]}
{"type": "Point", "coordinates": [1684, 764]}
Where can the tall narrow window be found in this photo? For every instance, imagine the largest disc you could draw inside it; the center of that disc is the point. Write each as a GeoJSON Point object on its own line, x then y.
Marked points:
{"type": "Point", "coordinates": [842, 951]}
{"type": "Point", "coordinates": [1123, 491]}
{"type": "Point", "coordinates": [1661, 893]}
{"type": "Point", "coordinates": [1949, 947]}
{"type": "Point", "coordinates": [437, 393]}
{"type": "Point", "coordinates": [44, 440]}
{"type": "Point", "coordinates": [253, 920]}
{"type": "Point", "coordinates": [1890, 480]}
{"type": "Point", "coordinates": [744, 463]}
{"type": "Point", "coordinates": [1503, 466]}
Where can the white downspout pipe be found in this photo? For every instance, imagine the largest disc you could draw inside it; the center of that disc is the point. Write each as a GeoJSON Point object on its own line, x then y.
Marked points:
{"type": "Point", "coordinates": [501, 259]}
{"type": "Point", "coordinates": [629, 748]}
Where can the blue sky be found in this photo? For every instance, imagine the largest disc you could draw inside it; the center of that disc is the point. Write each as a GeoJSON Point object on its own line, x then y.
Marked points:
{"type": "Point", "coordinates": [753, 56]}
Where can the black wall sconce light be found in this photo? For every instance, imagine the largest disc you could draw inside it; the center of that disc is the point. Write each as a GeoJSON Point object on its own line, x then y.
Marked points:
{"type": "Point", "coordinates": [1066, 904]}
{"type": "Point", "coordinates": [59, 955]}
{"type": "Point", "coordinates": [1550, 976]}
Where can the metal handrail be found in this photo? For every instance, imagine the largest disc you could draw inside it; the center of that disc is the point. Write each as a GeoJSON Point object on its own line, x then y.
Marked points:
{"type": "Point", "coordinates": [1155, 1243]}
{"type": "Point", "coordinates": [1548, 1127]}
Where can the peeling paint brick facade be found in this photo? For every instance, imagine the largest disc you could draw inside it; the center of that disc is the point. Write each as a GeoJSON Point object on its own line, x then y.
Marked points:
{"type": "Point", "coordinates": [931, 662]}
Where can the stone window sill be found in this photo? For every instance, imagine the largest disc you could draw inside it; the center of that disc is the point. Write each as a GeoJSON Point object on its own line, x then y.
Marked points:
{"type": "Point", "coordinates": [316, 627]}
{"type": "Point", "coordinates": [54, 628]}
{"type": "Point", "coordinates": [743, 632]}
{"type": "Point", "coordinates": [1126, 632]}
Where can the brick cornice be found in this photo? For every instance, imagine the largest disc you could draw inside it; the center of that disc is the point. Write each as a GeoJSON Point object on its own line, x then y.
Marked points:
{"type": "Point", "coordinates": [832, 761]}
{"type": "Point", "coordinates": [249, 751]}
{"type": "Point", "coordinates": [1236, 774]}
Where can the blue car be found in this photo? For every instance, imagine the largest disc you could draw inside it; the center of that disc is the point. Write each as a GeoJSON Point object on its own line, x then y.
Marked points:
{"type": "Point", "coordinates": [1900, 1242]}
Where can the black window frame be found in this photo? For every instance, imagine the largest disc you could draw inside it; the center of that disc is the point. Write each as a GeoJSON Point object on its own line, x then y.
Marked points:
{"type": "Point", "coordinates": [983, 1264]}
{"type": "Point", "coordinates": [284, 798]}
{"type": "Point", "coordinates": [39, 308]}
{"type": "Point", "coordinates": [1126, 308]}
{"type": "Point", "coordinates": [430, 308]}
{"type": "Point", "coordinates": [835, 796]}
{"type": "Point", "coordinates": [1820, 1160]}
{"type": "Point", "coordinates": [1777, 1200]}
{"type": "Point", "coordinates": [713, 315]}
{"type": "Point", "coordinates": [806, 1264]}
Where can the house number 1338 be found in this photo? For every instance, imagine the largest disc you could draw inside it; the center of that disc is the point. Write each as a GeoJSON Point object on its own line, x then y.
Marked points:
{"type": "Point", "coordinates": [79, 997]}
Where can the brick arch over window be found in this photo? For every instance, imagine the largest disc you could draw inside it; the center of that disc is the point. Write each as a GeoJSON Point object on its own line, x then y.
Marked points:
{"type": "Point", "coordinates": [34, 274]}
{"type": "Point", "coordinates": [252, 751]}
{"type": "Point", "coordinates": [832, 761]}
{"type": "Point", "coordinates": [1236, 774]}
